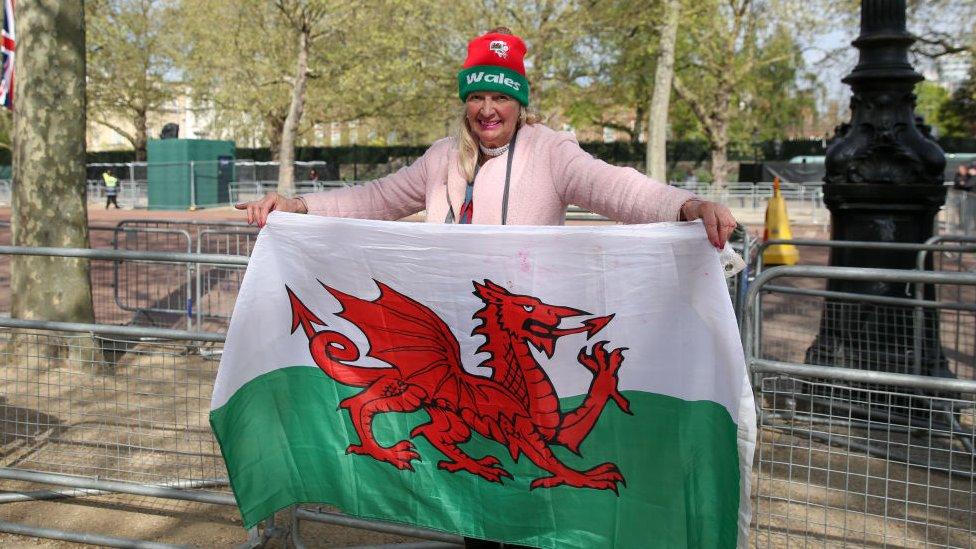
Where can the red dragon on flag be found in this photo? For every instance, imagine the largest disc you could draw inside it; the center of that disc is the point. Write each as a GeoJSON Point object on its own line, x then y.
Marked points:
{"type": "Point", "coordinates": [516, 406]}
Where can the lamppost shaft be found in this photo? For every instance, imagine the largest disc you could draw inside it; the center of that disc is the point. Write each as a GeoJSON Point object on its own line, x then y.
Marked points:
{"type": "Point", "coordinates": [883, 183]}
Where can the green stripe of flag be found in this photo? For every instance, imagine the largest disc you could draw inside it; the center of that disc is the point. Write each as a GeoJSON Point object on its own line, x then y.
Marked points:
{"type": "Point", "coordinates": [284, 442]}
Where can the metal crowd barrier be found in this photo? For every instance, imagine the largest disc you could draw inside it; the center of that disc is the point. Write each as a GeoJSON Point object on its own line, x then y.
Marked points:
{"type": "Point", "coordinates": [203, 294]}
{"type": "Point", "coordinates": [946, 252]}
{"type": "Point", "coordinates": [959, 213]}
{"type": "Point", "coordinates": [939, 243]}
{"type": "Point", "coordinates": [97, 409]}
{"type": "Point", "coordinates": [206, 293]}
{"type": "Point", "coordinates": [804, 200]}
{"type": "Point", "coordinates": [860, 456]}
{"type": "Point", "coordinates": [844, 456]}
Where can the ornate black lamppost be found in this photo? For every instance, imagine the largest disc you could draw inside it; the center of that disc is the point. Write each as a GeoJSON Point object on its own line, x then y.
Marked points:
{"type": "Point", "coordinates": [884, 184]}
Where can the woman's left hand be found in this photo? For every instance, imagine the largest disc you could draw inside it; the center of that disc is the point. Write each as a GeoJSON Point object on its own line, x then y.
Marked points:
{"type": "Point", "coordinates": [718, 219]}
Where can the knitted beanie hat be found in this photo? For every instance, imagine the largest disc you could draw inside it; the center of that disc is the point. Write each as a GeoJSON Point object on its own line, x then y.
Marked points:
{"type": "Point", "coordinates": [494, 63]}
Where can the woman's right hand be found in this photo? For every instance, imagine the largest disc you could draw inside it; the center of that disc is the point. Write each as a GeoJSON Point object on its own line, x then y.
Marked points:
{"type": "Point", "coordinates": [258, 210]}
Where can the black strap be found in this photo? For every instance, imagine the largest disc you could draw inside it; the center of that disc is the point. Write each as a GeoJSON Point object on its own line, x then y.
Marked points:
{"type": "Point", "coordinates": [508, 181]}
{"type": "Point", "coordinates": [508, 177]}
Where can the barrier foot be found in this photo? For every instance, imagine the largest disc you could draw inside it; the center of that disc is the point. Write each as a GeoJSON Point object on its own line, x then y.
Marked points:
{"type": "Point", "coordinates": [82, 537]}
{"type": "Point", "coordinates": [296, 537]}
{"type": "Point", "coordinates": [254, 539]}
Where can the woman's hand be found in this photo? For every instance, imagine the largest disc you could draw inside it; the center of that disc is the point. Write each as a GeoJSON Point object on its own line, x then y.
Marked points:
{"type": "Point", "coordinates": [258, 210]}
{"type": "Point", "coordinates": [718, 219]}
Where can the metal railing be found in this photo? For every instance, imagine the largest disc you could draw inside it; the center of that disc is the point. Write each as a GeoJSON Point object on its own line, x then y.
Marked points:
{"type": "Point", "coordinates": [850, 456]}
{"type": "Point", "coordinates": [845, 455]}
{"type": "Point", "coordinates": [945, 252]}
{"type": "Point", "coordinates": [208, 292]}
{"type": "Point", "coordinates": [804, 200]}
{"type": "Point", "coordinates": [97, 409]}
{"type": "Point", "coordinates": [959, 213]}
{"type": "Point", "coordinates": [940, 243]}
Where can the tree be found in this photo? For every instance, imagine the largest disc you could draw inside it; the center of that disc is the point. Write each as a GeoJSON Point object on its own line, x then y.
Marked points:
{"type": "Point", "coordinates": [721, 52]}
{"type": "Point", "coordinates": [251, 82]}
{"type": "Point", "coordinates": [130, 53]}
{"type": "Point", "coordinates": [929, 100]}
{"type": "Point", "coordinates": [608, 50]}
{"type": "Point", "coordinates": [942, 27]}
{"type": "Point", "coordinates": [402, 83]}
{"type": "Point", "coordinates": [304, 19]}
{"type": "Point", "coordinates": [958, 115]}
{"type": "Point", "coordinates": [657, 114]}
{"type": "Point", "coordinates": [49, 207]}
{"type": "Point", "coordinates": [319, 62]}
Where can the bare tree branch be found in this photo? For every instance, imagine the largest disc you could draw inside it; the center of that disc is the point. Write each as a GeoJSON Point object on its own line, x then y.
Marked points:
{"type": "Point", "coordinates": [114, 127]}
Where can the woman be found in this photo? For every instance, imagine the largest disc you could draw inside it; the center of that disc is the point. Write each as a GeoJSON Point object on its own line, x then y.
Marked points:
{"type": "Point", "coordinates": [504, 167]}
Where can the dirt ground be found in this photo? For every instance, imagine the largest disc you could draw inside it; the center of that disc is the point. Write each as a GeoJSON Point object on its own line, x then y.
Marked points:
{"type": "Point", "coordinates": [806, 492]}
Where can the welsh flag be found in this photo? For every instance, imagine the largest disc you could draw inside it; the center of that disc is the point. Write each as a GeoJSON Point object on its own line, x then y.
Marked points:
{"type": "Point", "coordinates": [546, 386]}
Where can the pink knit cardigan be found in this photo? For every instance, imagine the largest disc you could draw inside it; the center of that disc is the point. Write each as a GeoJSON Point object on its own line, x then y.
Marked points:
{"type": "Point", "coordinates": [549, 172]}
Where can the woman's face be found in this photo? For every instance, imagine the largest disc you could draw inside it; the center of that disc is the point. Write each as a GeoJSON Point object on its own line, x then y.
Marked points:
{"type": "Point", "coordinates": [492, 117]}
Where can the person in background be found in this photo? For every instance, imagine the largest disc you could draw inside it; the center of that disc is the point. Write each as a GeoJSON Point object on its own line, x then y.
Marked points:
{"type": "Point", "coordinates": [313, 175]}
{"type": "Point", "coordinates": [961, 180]}
{"type": "Point", "coordinates": [961, 198]}
{"type": "Point", "coordinates": [111, 189]}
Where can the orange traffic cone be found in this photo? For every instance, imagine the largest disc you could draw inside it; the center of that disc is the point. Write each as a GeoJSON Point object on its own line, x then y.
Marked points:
{"type": "Point", "coordinates": [778, 228]}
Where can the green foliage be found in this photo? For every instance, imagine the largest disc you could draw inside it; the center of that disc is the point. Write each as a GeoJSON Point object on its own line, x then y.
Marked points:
{"type": "Point", "coordinates": [929, 99]}
{"type": "Point", "coordinates": [392, 66]}
{"type": "Point", "coordinates": [957, 115]}
{"type": "Point", "coordinates": [610, 66]}
{"type": "Point", "coordinates": [738, 71]}
{"type": "Point", "coordinates": [6, 125]}
{"type": "Point", "coordinates": [238, 59]}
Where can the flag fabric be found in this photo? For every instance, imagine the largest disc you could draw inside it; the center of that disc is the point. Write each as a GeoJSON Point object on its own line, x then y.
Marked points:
{"type": "Point", "coordinates": [8, 47]}
{"type": "Point", "coordinates": [546, 386]}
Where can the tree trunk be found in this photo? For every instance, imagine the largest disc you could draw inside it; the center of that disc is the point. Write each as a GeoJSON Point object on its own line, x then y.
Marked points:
{"type": "Point", "coordinates": [657, 117]}
{"type": "Point", "coordinates": [273, 124]}
{"type": "Point", "coordinates": [49, 191]}
{"type": "Point", "coordinates": [719, 137]}
{"type": "Point", "coordinates": [141, 136]}
{"type": "Point", "coordinates": [720, 163]}
{"type": "Point", "coordinates": [286, 154]}
{"type": "Point", "coordinates": [638, 126]}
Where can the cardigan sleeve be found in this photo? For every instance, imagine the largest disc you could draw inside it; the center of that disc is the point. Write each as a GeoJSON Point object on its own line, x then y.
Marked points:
{"type": "Point", "coordinates": [620, 194]}
{"type": "Point", "coordinates": [392, 197]}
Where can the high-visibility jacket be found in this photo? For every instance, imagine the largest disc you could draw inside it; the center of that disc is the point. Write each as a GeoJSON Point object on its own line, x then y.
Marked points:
{"type": "Point", "coordinates": [111, 183]}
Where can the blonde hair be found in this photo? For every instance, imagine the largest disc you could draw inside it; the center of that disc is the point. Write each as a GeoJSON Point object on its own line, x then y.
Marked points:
{"type": "Point", "coordinates": [467, 143]}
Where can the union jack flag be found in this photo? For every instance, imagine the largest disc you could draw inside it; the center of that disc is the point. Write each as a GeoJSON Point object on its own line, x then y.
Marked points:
{"type": "Point", "coordinates": [7, 48]}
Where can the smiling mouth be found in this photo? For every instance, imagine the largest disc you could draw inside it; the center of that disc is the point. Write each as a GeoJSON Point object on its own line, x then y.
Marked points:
{"type": "Point", "coordinates": [489, 125]}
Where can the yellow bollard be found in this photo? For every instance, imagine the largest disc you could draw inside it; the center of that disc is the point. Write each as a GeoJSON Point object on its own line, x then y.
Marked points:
{"type": "Point", "coordinates": [778, 228]}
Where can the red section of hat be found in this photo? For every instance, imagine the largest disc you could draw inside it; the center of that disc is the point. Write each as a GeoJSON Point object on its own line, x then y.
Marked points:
{"type": "Point", "coordinates": [500, 50]}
